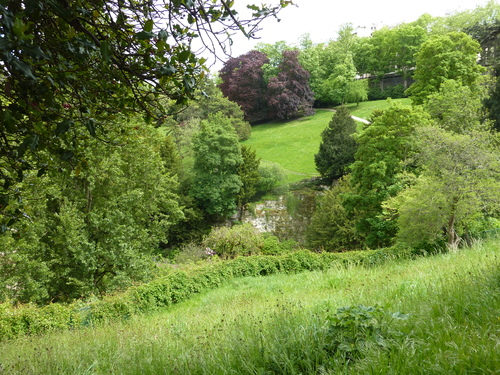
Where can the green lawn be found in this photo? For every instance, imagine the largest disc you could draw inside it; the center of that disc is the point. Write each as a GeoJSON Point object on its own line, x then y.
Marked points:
{"type": "Point", "coordinates": [279, 325]}
{"type": "Point", "coordinates": [365, 109]}
{"type": "Point", "coordinates": [293, 144]}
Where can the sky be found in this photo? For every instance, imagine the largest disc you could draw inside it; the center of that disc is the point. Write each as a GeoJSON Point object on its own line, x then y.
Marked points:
{"type": "Point", "coordinates": [323, 18]}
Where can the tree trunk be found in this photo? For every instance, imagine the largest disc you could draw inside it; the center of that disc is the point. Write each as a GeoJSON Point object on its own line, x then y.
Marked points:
{"type": "Point", "coordinates": [453, 238]}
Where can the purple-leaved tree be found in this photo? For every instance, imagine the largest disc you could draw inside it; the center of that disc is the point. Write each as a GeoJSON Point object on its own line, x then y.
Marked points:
{"type": "Point", "coordinates": [243, 82]}
{"type": "Point", "coordinates": [289, 94]}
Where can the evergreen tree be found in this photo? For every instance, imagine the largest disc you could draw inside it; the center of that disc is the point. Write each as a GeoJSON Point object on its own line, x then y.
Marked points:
{"type": "Point", "coordinates": [332, 228]}
{"type": "Point", "coordinates": [337, 148]}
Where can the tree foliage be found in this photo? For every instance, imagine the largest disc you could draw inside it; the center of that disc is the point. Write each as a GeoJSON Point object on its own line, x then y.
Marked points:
{"type": "Point", "coordinates": [444, 57]}
{"type": "Point", "coordinates": [379, 168]}
{"type": "Point", "coordinates": [92, 228]}
{"type": "Point", "coordinates": [274, 53]}
{"type": "Point", "coordinates": [458, 108]}
{"type": "Point", "coordinates": [249, 175]}
{"type": "Point", "coordinates": [337, 147]}
{"type": "Point", "coordinates": [243, 83]}
{"type": "Point", "coordinates": [289, 94]}
{"type": "Point", "coordinates": [69, 67]}
{"type": "Point", "coordinates": [209, 99]}
{"type": "Point", "coordinates": [217, 160]}
{"type": "Point", "coordinates": [331, 227]}
{"type": "Point", "coordinates": [459, 184]}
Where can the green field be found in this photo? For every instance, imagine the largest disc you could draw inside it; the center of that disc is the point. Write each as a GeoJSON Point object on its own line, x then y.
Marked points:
{"type": "Point", "coordinates": [279, 325]}
{"type": "Point", "coordinates": [365, 109]}
{"type": "Point", "coordinates": [293, 144]}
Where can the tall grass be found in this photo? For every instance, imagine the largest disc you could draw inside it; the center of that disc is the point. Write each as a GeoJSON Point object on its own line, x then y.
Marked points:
{"type": "Point", "coordinates": [278, 325]}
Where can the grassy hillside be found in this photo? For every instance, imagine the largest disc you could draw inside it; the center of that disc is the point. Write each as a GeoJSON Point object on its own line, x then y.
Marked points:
{"type": "Point", "coordinates": [288, 325]}
{"type": "Point", "coordinates": [293, 144]}
{"type": "Point", "coordinates": [365, 109]}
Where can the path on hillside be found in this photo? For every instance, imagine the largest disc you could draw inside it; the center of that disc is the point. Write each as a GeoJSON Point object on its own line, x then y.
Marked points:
{"type": "Point", "coordinates": [353, 117]}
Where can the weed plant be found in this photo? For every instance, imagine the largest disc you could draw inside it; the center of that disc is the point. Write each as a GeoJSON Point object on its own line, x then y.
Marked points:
{"type": "Point", "coordinates": [291, 324]}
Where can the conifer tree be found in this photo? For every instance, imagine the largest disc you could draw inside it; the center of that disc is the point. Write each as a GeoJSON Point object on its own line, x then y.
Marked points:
{"type": "Point", "coordinates": [337, 148]}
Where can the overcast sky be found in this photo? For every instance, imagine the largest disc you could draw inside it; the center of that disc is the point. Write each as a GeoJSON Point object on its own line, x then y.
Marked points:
{"type": "Point", "coordinates": [322, 18]}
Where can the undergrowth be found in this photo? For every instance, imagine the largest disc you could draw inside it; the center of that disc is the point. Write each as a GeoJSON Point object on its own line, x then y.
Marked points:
{"type": "Point", "coordinates": [430, 315]}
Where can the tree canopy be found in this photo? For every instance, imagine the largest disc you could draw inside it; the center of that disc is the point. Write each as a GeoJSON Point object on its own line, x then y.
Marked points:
{"type": "Point", "coordinates": [289, 94]}
{"type": "Point", "coordinates": [217, 162]}
{"type": "Point", "coordinates": [378, 171]}
{"type": "Point", "coordinates": [70, 66]}
{"type": "Point", "coordinates": [443, 57]}
{"type": "Point", "coordinates": [459, 184]}
{"type": "Point", "coordinates": [243, 82]}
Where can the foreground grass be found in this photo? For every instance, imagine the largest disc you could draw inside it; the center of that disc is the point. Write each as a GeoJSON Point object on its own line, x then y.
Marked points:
{"type": "Point", "coordinates": [277, 325]}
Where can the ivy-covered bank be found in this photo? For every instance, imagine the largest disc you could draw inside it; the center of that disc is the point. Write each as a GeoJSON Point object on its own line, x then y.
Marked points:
{"type": "Point", "coordinates": [171, 287]}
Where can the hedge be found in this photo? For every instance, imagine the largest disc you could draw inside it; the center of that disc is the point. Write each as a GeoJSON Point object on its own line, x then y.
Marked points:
{"type": "Point", "coordinates": [164, 291]}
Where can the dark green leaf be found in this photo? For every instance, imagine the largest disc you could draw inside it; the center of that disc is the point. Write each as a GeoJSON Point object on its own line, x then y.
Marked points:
{"type": "Point", "coordinates": [105, 51]}
{"type": "Point", "coordinates": [41, 171]}
{"type": "Point", "coordinates": [167, 70]}
{"type": "Point", "coordinates": [184, 55]}
{"type": "Point", "coordinates": [36, 52]}
{"type": "Point", "coordinates": [29, 142]}
{"type": "Point", "coordinates": [163, 35]}
{"type": "Point", "coordinates": [4, 200]}
{"type": "Point", "coordinates": [148, 26]}
{"type": "Point", "coordinates": [63, 127]}
{"type": "Point", "coordinates": [23, 68]}
{"type": "Point", "coordinates": [144, 35]}
{"type": "Point", "coordinates": [90, 125]}
{"type": "Point", "coordinates": [66, 155]}
{"type": "Point", "coordinates": [9, 120]}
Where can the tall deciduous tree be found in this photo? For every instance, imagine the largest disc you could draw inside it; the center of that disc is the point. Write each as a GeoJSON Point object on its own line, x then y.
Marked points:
{"type": "Point", "coordinates": [459, 184]}
{"type": "Point", "coordinates": [217, 160]}
{"type": "Point", "coordinates": [337, 147]}
{"type": "Point", "coordinates": [209, 99]}
{"type": "Point", "coordinates": [335, 88]}
{"type": "Point", "coordinates": [444, 57]}
{"type": "Point", "coordinates": [289, 94]}
{"type": "Point", "coordinates": [458, 108]}
{"type": "Point", "coordinates": [243, 82]}
{"type": "Point", "coordinates": [377, 173]}
{"type": "Point", "coordinates": [274, 53]}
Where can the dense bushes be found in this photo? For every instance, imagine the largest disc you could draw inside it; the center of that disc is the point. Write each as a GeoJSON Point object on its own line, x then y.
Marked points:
{"type": "Point", "coordinates": [394, 92]}
{"type": "Point", "coordinates": [229, 243]}
{"type": "Point", "coordinates": [169, 288]}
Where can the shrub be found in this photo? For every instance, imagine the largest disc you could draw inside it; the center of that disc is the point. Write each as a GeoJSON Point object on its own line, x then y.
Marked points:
{"type": "Point", "coordinates": [271, 175]}
{"type": "Point", "coordinates": [169, 289]}
{"type": "Point", "coordinates": [229, 243]}
{"type": "Point", "coordinates": [192, 253]}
